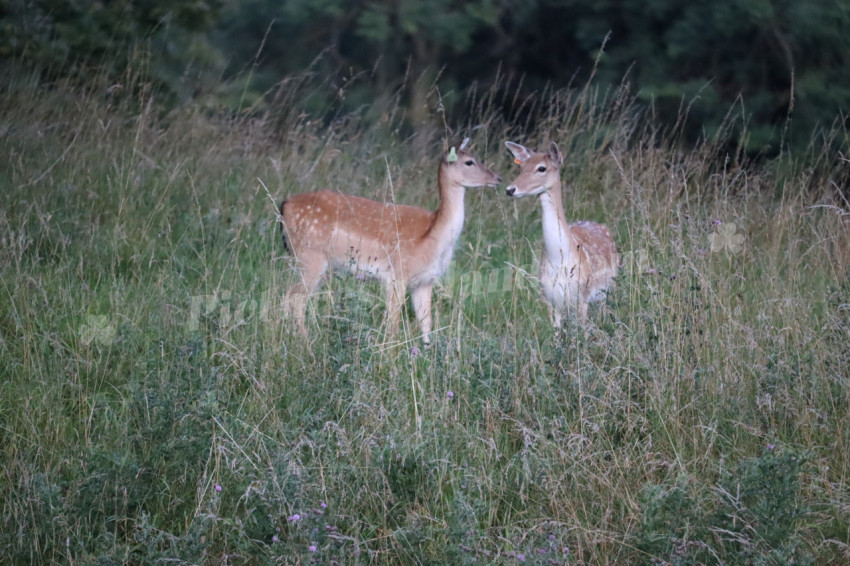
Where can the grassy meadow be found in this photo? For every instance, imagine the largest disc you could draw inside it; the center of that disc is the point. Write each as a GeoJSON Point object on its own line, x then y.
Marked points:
{"type": "Point", "coordinates": [155, 408]}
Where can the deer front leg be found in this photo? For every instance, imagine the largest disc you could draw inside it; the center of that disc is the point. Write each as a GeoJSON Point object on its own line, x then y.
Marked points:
{"type": "Point", "coordinates": [421, 299]}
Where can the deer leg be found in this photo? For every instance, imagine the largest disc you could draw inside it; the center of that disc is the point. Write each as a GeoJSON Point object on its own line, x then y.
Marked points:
{"type": "Point", "coordinates": [421, 299]}
{"type": "Point", "coordinates": [582, 311]}
{"type": "Point", "coordinates": [555, 317]}
{"type": "Point", "coordinates": [395, 302]}
{"type": "Point", "coordinates": [295, 300]}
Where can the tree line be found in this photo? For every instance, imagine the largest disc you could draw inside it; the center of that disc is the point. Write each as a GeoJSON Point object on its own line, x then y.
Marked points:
{"type": "Point", "coordinates": [780, 65]}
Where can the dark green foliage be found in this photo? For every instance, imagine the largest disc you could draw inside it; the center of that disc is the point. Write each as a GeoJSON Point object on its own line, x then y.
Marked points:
{"type": "Point", "coordinates": [755, 75]}
{"type": "Point", "coordinates": [754, 515]}
{"type": "Point", "coordinates": [764, 62]}
{"type": "Point", "coordinates": [153, 41]}
{"type": "Point", "coordinates": [169, 423]}
{"type": "Point", "coordinates": [671, 528]}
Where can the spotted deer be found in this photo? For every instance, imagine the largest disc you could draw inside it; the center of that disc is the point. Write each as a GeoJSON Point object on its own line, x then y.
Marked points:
{"type": "Point", "coordinates": [405, 247]}
{"type": "Point", "coordinates": [579, 260]}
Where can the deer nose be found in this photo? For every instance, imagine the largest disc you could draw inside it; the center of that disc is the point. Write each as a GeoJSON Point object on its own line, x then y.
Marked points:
{"type": "Point", "coordinates": [510, 190]}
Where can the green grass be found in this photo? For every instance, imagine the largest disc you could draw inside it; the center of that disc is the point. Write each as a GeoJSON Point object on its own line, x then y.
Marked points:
{"type": "Point", "coordinates": [154, 406]}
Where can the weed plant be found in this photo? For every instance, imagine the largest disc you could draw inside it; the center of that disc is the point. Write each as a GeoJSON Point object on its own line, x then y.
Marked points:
{"type": "Point", "coordinates": [155, 407]}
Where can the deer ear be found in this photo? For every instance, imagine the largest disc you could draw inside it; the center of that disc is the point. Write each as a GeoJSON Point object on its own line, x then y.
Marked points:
{"type": "Point", "coordinates": [555, 154]}
{"type": "Point", "coordinates": [452, 156]}
{"type": "Point", "coordinates": [520, 153]}
{"type": "Point", "coordinates": [464, 144]}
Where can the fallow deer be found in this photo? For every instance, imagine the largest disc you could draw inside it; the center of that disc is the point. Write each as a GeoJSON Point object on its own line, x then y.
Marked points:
{"type": "Point", "coordinates": [405, 247]}
{"type": "Point", "coordinates": [579, 260]}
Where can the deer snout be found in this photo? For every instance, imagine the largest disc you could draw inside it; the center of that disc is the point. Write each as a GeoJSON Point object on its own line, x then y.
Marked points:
{"type": "Point", "coordinates": [510, 190]}
{"type": "Point", "coordinates": [495, 182]}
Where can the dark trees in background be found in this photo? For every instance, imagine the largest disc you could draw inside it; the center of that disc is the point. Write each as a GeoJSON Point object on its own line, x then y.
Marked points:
{"type": "Point", "coordinates": [166, 41]}
{"type": "Point", "coordinates": [767, 59]}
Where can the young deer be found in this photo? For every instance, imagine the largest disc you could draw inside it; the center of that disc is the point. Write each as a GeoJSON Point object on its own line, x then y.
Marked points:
{"type": "Point", "coordinates": [579, 260]}
{"type": "Point", "coordinates": [405, 247]}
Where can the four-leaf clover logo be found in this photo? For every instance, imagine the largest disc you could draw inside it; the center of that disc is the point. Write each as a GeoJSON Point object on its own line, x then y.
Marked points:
{"type": "Point", "coordinates": [97, 330]}
{"type": "Point", "coordinates": [726, 238]}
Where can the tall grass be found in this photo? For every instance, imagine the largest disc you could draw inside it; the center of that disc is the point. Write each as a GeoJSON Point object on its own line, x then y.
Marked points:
{"type": "Point", "coordinates": [155, 408]}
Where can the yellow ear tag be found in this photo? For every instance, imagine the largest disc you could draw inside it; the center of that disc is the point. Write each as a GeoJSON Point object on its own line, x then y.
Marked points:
{"type": "Point", "coordinates": [517, 161]}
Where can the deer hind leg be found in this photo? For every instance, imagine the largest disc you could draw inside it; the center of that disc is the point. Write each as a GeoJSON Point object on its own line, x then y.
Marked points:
{"type": "Point", "coordinates": [311, 274]}
{"type": "Point", "coordinates": [555, 315]}
{"type": "Point", "coordinates": [395, 302]}
{"type": "Point", "coordinates": [582, 311]}
{"type": "Point", "coordinates": [421, 299]}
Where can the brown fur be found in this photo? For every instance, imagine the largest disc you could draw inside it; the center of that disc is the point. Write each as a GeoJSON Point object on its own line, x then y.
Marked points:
{"type": "Point", "coordinates": [406, 247]}
{"type": "Point", "coordinates": [580, 260]}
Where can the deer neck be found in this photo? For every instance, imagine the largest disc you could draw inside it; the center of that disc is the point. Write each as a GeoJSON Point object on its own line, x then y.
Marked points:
{"type": "Point", "coordinates": [449, 216]}
{"type": "Point", "coordinates": [556, 231]}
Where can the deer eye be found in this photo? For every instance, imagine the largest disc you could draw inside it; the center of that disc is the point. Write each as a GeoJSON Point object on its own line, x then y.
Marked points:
{"type": "Point", "coordinates": [541, 168]}
{"type": "Point", "coordinates": [470, 163]}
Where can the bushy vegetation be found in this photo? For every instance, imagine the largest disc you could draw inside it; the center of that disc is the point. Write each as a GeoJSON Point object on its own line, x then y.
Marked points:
{"type": "Point", "coordinates": [780, 66]}
{"type": "Point", "coordinates": [155, 407]}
